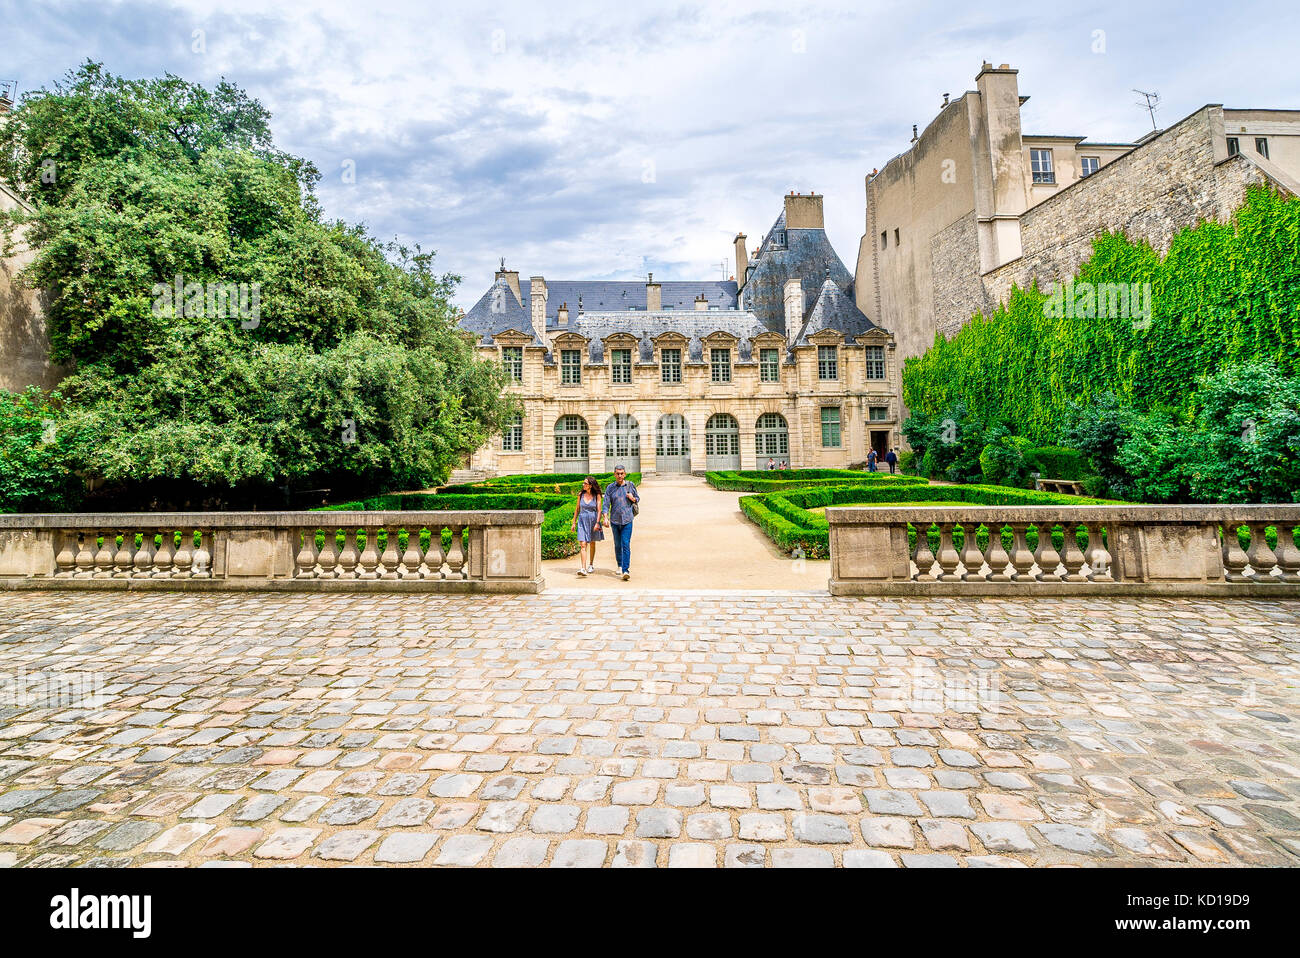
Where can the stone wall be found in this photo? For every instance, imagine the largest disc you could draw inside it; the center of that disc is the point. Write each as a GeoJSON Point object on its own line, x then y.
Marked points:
{"type": "Point", "coordinates": [1172, 182]}
{"type": "Point", "coordinates": [954, 269]}
{"type": "Point", "coordinates": [24, 341]}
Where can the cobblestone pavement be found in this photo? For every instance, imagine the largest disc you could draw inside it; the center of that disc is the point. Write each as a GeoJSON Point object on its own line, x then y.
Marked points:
{"type": "Point", "coordinates": [637, 729]}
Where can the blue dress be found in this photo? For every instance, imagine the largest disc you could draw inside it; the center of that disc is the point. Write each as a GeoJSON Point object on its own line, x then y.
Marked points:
{"type": "Point", "coordinates": [588, 513]}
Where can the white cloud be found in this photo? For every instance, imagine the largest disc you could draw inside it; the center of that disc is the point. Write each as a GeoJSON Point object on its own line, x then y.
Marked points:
{"type": "Point", "coordinates": [527, 130]}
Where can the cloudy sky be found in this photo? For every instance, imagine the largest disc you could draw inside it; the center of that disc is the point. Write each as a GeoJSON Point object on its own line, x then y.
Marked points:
{"type": "Point", "coordinates": [598, 141]}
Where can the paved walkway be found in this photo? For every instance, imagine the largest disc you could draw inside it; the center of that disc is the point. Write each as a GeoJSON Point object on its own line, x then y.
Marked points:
{"type": "Point", "coordinates": [692, 536]}
{"type": "Point", "coordinates": [647, 729]}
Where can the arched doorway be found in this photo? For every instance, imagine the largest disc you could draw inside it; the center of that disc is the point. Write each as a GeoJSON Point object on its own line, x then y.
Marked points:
{"type": "Point", "coordinates": [771, 440]}
{"type": "Point", "coordinates": [672, 444]}
{"type": "Point", "coordinates": [622, 443]}
{"type": "Point", "coordinates": [721, 442]}
{"type": "Point", "coordinates": [571, 445]}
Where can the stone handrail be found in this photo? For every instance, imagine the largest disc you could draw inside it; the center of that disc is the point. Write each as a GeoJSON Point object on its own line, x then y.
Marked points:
{"type": "Point", "coordinates": [489, 551]}
{"type": "Point", "coordinates": [1152, 550]}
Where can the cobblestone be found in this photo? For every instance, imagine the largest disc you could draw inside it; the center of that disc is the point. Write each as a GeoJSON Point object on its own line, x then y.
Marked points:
{"type": "Point", "coordinates": [689, 730]}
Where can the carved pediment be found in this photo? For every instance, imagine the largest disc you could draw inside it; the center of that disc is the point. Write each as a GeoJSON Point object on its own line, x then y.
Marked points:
{"type": "Point", "coordinates": [768, 340]}
{"type": "Point", "coordinates": [827, 337]}
{"type": "Point", "coordinates": [512, 337]}
{"type": "Point", "coordinates": [569, 340]}
{"type": "Point", "coordinates": [719, 339]}
{"type": "Point", "coordinates": [875, 337]}
{"type": "Point", "coordinates": [671, 339]}
{"type": "Point", "coordinates": [620, 341]}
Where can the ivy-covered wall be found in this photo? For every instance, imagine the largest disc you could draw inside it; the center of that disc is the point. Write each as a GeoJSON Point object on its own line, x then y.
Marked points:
{"type": "Point", "coordinates": [1225, 293]}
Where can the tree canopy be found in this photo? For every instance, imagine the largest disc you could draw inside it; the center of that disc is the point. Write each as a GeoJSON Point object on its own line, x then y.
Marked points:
{"type": "Point", "coordinates": [221, 332]}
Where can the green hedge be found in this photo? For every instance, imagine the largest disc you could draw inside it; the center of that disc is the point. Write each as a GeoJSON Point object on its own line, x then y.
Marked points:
{"type": "Point", "coordinates": [785, 519]}
{"type": "Point", "coordinates": [540, 482]}
{"type": "Point", "coordinates": [755, 480]}
{"type": "Point", "coordinates": [1057, 462]}
{"type": "Point", "coordinates": [558, 540]}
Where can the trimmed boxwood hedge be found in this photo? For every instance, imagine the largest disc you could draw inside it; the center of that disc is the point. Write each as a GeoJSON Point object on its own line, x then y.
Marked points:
{"type": "Point", "coordinates": [766, 480]}
{"type": "Point", "coordinates": [785, 519]}
{"type": "Point", "coordinates": [558, 540]}
{"type": "Point", "coordinates": [1057, 462]}
{"type": "Point", "coordinates": [569, 484]}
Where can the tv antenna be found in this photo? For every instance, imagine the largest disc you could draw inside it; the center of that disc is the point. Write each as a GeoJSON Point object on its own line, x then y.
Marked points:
{"type": "Point", "coordinates": [723, 266]}
{"type": "Point", "coordinates": [1152, 101]}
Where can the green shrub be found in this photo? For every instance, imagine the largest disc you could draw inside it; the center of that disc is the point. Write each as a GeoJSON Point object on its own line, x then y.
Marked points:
{"type": "Point", "coordinates": [754, 480]}
{"type": "Point", "coordinates": [1004, 462]}
{"type": "Point", "coordinates": [785, 519]}
{"type": "Point", "coordinates": [907, 462]}
{"type": "Point", "coordinates": [1057, 462]}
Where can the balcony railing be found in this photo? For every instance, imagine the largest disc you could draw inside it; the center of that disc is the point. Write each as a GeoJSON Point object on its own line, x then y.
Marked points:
{"type": "Point", "coordinates": [1044, 550]}
{"type": "Point", "coordinates": [489, 551]}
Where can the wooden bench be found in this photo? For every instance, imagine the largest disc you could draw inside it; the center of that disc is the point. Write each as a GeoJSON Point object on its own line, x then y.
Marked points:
{"type": "Point", "coordinates": [1066, 486]}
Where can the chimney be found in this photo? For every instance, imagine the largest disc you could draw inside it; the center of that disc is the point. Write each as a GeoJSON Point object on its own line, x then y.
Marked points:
{"type": "Point", "coordinates": [793, 309]}
{"type": "Point", "coordinates": [701, 302]}
{"type": "Point", "coordinates": [7, 93]}
{"type": "Point", "coordinates": [512, 277]}
{"type": "Point", "coordinates": [804, 212]}
{"type": "Point", "coordinates": [742, 259]}
{"type": "Point", "coordinates": [537, 297]}
{"type": "Point", "coordinates": [562, 315]}
{"type": "Point", "coordinates": [653, 295]}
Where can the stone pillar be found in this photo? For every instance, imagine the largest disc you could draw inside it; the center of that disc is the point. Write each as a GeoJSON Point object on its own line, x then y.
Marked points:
{"type": "Point", "coordinates": [653, 295]}
{"type": "Point", "coordinates": [537, 302]}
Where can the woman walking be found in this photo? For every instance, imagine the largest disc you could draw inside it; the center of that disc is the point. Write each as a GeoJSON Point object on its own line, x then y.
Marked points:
{"type": "Point", "coordinates": [586, 522]}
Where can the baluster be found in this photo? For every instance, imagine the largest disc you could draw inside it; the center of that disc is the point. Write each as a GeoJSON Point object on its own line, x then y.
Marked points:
{"type": "Point", "coordinates": [1288, 556]}
{"type": "Point", "coordinates": [306, 558]}
{"type": "Point", "coordinates": [86, 555]}
{"type": "Point", "coordinates": [922, 555]}
{"type": "Point", "coordinates": [202, 565]}
{"type": "Point", "coordinates": [456, 556]}
{"type": "Point", "coordinates": [388, 562]}
{"type": "Point", "coordinates": [972, 557]}
{"type": "Point", "coordinates": [349, 557]}
{"type": "Point", "coordinates": [947, 558]}
{"type": "Point", "coordinates": [1022, 560]}
{"type": "Point", "coordinates": [1073, 557]}
{"type": "Point", "coordinates": [1260, 555]}
{"type": "Point", "coordinates": [104, 557]}
{"type": "Point", "coordinates": [184, 558]}
{"type": "Point", "coordinates": [1099, 557]}
{"type": "Point", "coordinates": [164, 557]}
{"type": "Point", "coordinates": [125, 554]}
{"type": "Point", "coordinates": [1046, 555]}
{"type": "Point", "coordinates": [66, 560]}
{"type": "Point", "coordinates": [329, 555]}
{"type": "Point", "coordinates": [1234, 557]}
{"type": "Point", "coordinates": [142, 564]}
{"type": "Point", "coordinates": [996, 555]}
{"type": "Point", "coordinates": [410, 568]}
{"type": "Point", "coordinates": [434, 558]}
{"type": "Point", "coordinates": [370, 554]}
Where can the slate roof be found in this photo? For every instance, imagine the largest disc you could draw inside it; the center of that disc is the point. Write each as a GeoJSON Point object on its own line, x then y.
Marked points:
{"type": "Point", "coordinates": [834, 310]}
{"type": "Point", "coordinates": [694, 325]}
{"type": "Point", "coordinates": [497, 311]}
{"type": "Point", "coordinates": [806, 255]}
{"type": "Point", "coordinates": [616, 295]}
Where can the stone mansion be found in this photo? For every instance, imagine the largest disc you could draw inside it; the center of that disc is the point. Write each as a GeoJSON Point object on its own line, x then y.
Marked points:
{"type": "Point", "coordinates": [778, 364]}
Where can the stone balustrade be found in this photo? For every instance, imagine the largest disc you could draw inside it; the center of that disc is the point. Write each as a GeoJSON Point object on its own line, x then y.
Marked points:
{"type": "Point", "coordinates": [1137, 550]}
{"type": "Point", "coordinates": [479, 551]}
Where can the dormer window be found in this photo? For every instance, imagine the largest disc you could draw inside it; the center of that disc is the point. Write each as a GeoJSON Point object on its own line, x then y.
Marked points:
{"type": "Point", "coordinates": [778, 239]}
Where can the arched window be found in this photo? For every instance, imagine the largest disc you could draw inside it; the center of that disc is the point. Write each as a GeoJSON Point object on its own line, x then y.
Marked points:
{"type": "Point", "coordinates": [722, 442]}
{"type": "Point", "coordinates": [622, 443]}
{"type": "Point", "coordinates": [672, 444]}
{"type": "Point", "coordinates": [772, 436]}
{"type": "Point", "coordinates": [571, 444]}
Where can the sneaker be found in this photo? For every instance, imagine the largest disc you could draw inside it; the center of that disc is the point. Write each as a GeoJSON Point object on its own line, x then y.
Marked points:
{"type": "Point", "coordinates": [582, 572]}
{"type": "Point", "coordinates": [626, 575]}
{"type": "Point", "coordinates": [591, 568]}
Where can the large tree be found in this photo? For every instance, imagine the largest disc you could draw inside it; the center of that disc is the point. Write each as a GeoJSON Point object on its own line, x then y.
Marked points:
{"type": "Point", "coordinates": [298, 351]}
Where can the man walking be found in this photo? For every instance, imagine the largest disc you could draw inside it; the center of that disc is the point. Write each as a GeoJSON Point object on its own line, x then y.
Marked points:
{"type": "Point", "coordinates": [620, 498]}
{"type": "Point", "coordinates": [871, 461]}
{"type": "Point", "coordinates": [891, 457]}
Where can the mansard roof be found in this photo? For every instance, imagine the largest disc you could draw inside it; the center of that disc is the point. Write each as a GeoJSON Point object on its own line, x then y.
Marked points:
{"type": "Point", "coordinates": [834, 310]}
{"type": "Point", "coordinates": [607, 296]}
{"type": "Point", "coordinates": [695, 325]}
{"type": "Point", "coordinates": [806, 255]}
{"type": "Point", "coordinates": [497, 311]}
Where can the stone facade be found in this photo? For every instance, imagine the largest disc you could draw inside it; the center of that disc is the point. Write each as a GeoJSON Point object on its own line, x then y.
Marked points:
{"type": "Point", "coordinates": [24, 339]}
{"type": "Point", "coordinates": [690, 377]}
{"type": "Point", "coordinates": [977, 205]}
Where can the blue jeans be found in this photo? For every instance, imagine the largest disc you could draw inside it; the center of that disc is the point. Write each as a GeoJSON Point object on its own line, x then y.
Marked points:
{"type": "Point", "coordinates": [622, 545]}
{"type": "Point", "coordinates": [871, 467]}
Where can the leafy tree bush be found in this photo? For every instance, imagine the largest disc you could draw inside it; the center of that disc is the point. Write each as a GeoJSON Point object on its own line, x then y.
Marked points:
{"type": "Point", "coordinates": [348, 370]}
{"type": "Point", "coordinates": [1005, 460]}
{"type": "Point", "coordinates": [34, 474]}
